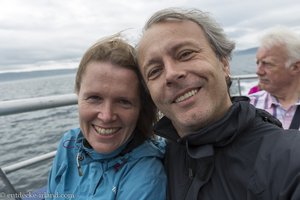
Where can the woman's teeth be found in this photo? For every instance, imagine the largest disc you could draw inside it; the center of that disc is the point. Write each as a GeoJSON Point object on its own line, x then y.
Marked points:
{"type": "Point", "coordinates": [105, 131]}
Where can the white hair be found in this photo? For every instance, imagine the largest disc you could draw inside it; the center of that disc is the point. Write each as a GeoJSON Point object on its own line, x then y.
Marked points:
{"type": "Point", "coordinates": [283, 36]}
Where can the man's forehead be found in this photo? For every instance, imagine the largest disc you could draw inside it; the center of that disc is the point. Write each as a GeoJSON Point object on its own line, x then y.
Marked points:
{"type": "Point", "coordinates": [171, 35]}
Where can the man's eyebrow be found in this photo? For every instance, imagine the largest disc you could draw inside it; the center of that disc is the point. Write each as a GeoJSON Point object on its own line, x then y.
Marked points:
{"type": "Point", "coordinates": [179, 45]}
{"type": "Point", "coordinates": [150, 62]}
{"type": "Point", "coordinates": [170, 50]}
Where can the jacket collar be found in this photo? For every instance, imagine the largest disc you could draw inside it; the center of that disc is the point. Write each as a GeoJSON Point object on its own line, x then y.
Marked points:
{"type": "Point", "coordinates": [221, 133]}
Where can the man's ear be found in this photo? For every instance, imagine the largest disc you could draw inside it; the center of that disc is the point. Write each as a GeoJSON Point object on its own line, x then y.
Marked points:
{"type": "Point", "coordinates": [226, 67]}
{"type": "Point", "coordinates": [296, 67]}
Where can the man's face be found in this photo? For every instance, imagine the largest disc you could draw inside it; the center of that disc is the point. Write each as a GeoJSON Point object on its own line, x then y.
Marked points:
{"type": "Point", "coordinates": [272, 72]}
{"type": "Point", "coordinates": [185, 78]}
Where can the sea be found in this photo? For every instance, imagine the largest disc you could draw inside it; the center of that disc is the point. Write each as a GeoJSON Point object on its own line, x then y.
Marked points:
{"type": "Point", "coordinates": [26, 135]}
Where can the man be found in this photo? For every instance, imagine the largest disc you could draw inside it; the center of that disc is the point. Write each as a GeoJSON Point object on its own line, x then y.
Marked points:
{"type": "Point", "coordinates": [278, 70]}
{"type": "Point", "coordinates": [218, 149]}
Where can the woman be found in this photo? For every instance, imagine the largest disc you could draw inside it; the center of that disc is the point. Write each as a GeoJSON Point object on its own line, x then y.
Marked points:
{"type": "Point", "coordinates": [113, 154]}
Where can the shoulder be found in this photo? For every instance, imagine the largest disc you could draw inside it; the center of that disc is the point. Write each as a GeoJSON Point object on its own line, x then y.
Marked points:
{"type": "Point", "coordinates": [147, 159]}
{"type": "Point", "coordinates": [70, 137]}
{"type": "Point", "coordinates": [258, 95]}
{"type": "Point", "coordinates": [260, 99]}
{"type": "Point", "coordinates": [150, 148]}
{"type": "Point", "coordinates": [71, 134]}
{"type": "Point", "coordinates": [145, 178]}
{"type": "Point", "coordinates": [278, 165]}
{"type": "Point", "coordinates": [144, 174]}
{"type": "Point", "coordinates": [68, 144]}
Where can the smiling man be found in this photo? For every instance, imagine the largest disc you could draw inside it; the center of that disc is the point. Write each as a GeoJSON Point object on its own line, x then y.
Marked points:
{"type": "Point", "coordinates": [218, 148]}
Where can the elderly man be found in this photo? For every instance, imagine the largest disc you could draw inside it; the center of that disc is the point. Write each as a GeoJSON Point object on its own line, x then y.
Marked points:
{"type": "Point", "coordinates": [218, 148]}
{"type": "Point", "coordinates": [278, 70]}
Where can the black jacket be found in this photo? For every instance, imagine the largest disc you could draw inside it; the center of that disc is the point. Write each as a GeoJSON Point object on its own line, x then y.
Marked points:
{"type": "Point", "coordinates": [240, 157]}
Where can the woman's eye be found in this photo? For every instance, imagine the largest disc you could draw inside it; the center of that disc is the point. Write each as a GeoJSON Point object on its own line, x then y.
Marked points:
{"type": "Point", "coordinates": [93, 99]}
{"type": "Point", "coordinates": [125, 103]}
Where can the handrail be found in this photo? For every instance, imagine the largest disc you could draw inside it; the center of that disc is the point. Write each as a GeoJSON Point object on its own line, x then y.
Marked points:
{"type": "Point", "coordinates": [37, 103]}
{"type": "Point", "coordinates": [242, 77]}
{"type": "Point", "coordinates": [28, 105]}
{"type": "Point", "coordinates": [26, 163]}
{"type": "Point", "coordinates": [238, 78]}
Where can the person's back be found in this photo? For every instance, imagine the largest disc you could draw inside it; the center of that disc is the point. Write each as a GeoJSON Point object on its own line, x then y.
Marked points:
{"type": "Point", "coordinates": [278, 70]}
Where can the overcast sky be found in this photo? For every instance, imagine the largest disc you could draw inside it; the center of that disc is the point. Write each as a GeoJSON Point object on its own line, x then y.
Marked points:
{"type": "Point", "coordinates": [43, 33]}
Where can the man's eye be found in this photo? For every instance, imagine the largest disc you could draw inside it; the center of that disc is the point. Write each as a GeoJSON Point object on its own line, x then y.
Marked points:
{"type": "Point", "coordinates": [267, 64]}
{"type": "Point", "coordinates": [154, 73]}
{"type": "Point", "coordinates": [185, 55]}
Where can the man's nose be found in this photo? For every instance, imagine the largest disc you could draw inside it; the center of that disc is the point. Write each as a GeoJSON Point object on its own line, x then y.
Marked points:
{"type": "Point", "coordinates": [259, 68]}
{"type": "Point", "coordinates": [174, 72]}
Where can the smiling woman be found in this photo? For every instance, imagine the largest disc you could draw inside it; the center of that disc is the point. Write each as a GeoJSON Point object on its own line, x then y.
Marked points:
{"type": "Point", "coordinates": [113, 149]}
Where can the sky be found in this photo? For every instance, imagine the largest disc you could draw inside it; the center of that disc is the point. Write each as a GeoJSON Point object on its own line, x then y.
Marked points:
{"type": "Point", "coordinates": [42, 34]}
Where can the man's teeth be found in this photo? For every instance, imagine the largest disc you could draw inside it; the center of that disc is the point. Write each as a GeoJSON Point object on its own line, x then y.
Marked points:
{"type": "Point", "coordinates": [105, 131]}
{"type": "Point", "coordinates": [186, 95]}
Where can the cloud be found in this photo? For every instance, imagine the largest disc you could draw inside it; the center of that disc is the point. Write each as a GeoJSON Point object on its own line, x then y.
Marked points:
{"type": "Point", "coordinates": [34, 31]}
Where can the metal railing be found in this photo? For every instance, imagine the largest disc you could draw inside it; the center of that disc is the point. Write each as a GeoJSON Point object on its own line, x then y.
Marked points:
{"type": "Point", "coordinates": [29, 105]}
{"type": "Point", "coordinates": [39, 103]}
{"type": "Point", "coordinates": [239, 78]}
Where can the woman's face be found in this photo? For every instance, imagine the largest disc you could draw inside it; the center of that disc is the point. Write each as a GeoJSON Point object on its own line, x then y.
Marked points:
{"type": "Point", "coordinates": [109, 105]}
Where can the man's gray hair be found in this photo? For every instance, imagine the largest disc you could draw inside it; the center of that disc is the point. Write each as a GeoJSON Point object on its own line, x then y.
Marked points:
{"type": "Point", "coordinates": [219, 42]}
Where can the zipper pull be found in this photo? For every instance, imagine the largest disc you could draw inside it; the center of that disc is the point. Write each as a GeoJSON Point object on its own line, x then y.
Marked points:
{"type": "Point", "coordinates": [78, 159]}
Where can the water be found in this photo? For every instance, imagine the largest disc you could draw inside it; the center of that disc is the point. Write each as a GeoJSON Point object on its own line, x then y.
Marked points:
{"type": "Point", "coordinates": [26, 135]}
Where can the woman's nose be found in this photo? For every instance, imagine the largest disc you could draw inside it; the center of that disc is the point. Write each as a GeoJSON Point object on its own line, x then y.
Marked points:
{"type": "Point", "coordinates": [107, 113]}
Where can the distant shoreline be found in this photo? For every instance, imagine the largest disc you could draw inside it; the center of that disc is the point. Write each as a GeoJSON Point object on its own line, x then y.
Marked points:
{"type": "Point", "coordinates": [12, 76]}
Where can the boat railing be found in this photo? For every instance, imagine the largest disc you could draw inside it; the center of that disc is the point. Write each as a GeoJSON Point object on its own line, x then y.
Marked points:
{"type": "Point", "coordinates": [240, 78]}
{"type": "Point", "coordinates": [29, 105]}
{"type": "Point", "coordinates": [38, 103]}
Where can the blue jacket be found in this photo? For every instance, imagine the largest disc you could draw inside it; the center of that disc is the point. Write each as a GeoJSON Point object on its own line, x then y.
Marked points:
{"type": "Point", "coordinates": [138, 174]}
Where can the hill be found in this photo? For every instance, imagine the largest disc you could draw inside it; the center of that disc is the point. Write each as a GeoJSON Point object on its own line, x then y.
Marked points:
{"type": "Point", "coordinates": [10, 76]}
{"type": "Point", "coordinates": [246, 51]}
